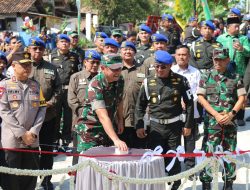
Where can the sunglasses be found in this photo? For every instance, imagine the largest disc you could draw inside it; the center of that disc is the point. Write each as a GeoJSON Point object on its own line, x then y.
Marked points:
{"type": "Point", "coordinates": [38, 48]}
{"type": "Point", "coordinates": [160, 66]}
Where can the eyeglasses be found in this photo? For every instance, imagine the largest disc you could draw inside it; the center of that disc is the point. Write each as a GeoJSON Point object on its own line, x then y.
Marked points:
{"type": "Point", "coordinates": [37, 48]}
{"type": "Point", "coordinates": [160, 66]}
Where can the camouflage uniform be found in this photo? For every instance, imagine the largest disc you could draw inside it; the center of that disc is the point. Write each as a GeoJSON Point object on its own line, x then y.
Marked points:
{"type": "Point", "coordinates": [99, 93]}
{"type": "Point", "coordinates": [222, 92]}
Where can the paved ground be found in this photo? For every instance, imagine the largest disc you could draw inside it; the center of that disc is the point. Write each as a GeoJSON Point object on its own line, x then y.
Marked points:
{"type": "Point", "coordinates": [240, 183]}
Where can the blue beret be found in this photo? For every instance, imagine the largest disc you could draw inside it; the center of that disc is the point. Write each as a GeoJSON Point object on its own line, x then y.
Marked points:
{"type": "Point", "coordinates": [235, 11]}
{"type": "Point", "coordinates": [163, 57]}
{"type": "Point", "coordinates": [92, 54]}
{"type": "Point", "coordinates": [193, 19]}
{"type": "Point", "coordinates": [36, 41]}
{"type": "Point", "coordinates": [145, 28]}
{"type": "Point", "coordinates": [110, 41]}
{"type": "Point", "coordinates": [101, 35]}
{"type": "Point", "coordinates": [159, 38]}
{"type": "Point", "coordinates": [128, 44]}
{"type": "Point", "coordinates": [167, 17]}
{"type": "Point", "coordinates": [63, 37]}
{"type": "Point", "coordinates": [3, 57]}
{"type": "Point", "coordinates": [209, 24]}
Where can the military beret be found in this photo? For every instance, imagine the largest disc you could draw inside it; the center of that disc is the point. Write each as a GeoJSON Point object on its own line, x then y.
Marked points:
{"type": "Point", "coordinates": [159, 38]}
{"type": "Point", "coordinates": [63, 37]}
{"type": "Point", "coordinates": [73, 34]}
{"type": "Point", "coordinates": [101, 35]}
{"type": "Point", "coordinates": [221, 53]}
{"type": "Point", "coordinates": [193, 19]}
{"type": "Point", "coordinates": [145, 28]}
{"type": "Point", "coordinates": [3, 57]}
{"type": "Point", "coordinates": [235, 11]}
{"type": "Point", "coordinates": [128, 44]}
{"type": "Point", "coordinates": [233, 20]}
{"type": "Point", "coordinates": [92, 54]}
{"type": "Point", "coordinates": [208, 23]}
{"type": "Point", "coordinates": [36, 41]}
{"type": "Point", "coordinates": [117, 33]}
{"type": "Point", "coordinates": [167, 17]}
{"type": "Point", "coordinates": [110, 41]}
{"type": "Point", "coordinates": [113, 61]}
{"type": "Point", "coordinates": [163, 57]}
{"type": "Point", "coordinates": [21, 57]}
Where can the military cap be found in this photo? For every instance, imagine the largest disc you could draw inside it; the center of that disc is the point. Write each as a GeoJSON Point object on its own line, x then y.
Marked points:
{"type": "Point", "coordinates": [159, 38]}
{"type": "Point", "coordinates": [63, 37]}
{"type": "Point", "coordinates": [235, 11]}
{"type": "Point", "coordinates": [208, 23]}
{"type": "Point", "coordinates": [73, 34]}
{"type": "Point", "coordinates": [22, 57]}
{"type": "Point", "coordinates": [193, 19]}
{"type": "Point", "coordinates": [36, 41]}
{"type": "Point", "coordinates": [145, 28]}
{"type": "Point", "coordinates": [116, 33]}
{"type": "Point", "coordinates": [221, 53]}
{"type": "Point", "coordinates": [3, 57]}
{"type": "Point", "coordinates": [113, 61]}
{"type": "Point", "coordinates": [163, 57]}
{"type": "Point", "coordinates": [167, 17]}
{"type": "Point", "coordinates": [92, 54]}
{"type": "Point", "coordinates": [101, 35]}
{"type": "Point", "coordinates": [233, 20]}
{"type": "Point", "coordinates": [128, 44]}
{"type": "Point", "coordinates": [110, 41]}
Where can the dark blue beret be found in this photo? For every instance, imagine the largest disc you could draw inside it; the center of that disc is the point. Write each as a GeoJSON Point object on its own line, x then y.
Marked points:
{"type": "Point", "coordinates": [128, 44]}
{"type": "Point", "coordinates": [101, 35]}
{"type": "Point", "coordinates": [63, 37]}
{"type": "Point", "coordinates": [208, 23]}
{"type": "Point", "coordinates": [145, 28]}
{"type": "Point", "coordinates": [92, 54]}
{"type": "Point", "coordinates": [163, 57]}
{"type": "Point", "coordinates": [235, 11]}
{"type": "Point", "coordinates": [110, 41]}
{"type": "Point", "coordinates": [159, 38]}
{"type": "Point", "coordinates": [3, 57]}
{"type": "Point", "coordinates": [36, 41]}
{"type": "Point", "coordinates": [167, 17]}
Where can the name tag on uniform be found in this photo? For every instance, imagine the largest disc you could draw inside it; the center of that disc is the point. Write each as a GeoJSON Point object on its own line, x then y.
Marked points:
{"type": "Point", "coordinates": [140, 75]}
{"type": "Point", "coordinates": [82, 81]}
{"type": "Point", "coordinates": [48, 71]}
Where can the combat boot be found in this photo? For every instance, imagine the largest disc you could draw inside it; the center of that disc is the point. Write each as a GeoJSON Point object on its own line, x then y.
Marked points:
{"type": "Point", "coordinates": [228, 185]}
{"type": "Point", "coordinates": [206, 186]}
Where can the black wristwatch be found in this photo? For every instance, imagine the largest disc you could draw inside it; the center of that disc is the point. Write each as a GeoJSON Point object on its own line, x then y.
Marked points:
{"type": "Point", "coordinates": [234, 112]}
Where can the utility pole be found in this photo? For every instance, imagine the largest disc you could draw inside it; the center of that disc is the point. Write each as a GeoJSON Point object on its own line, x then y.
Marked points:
{"type": "Point", "coordinates": [248, 6]}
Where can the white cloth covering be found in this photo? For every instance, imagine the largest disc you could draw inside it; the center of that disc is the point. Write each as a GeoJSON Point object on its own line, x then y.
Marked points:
{"type": "Point", "coordinates": [126, 166]}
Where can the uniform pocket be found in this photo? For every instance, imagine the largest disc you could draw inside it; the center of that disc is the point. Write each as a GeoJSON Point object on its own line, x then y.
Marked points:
{"type": "Point", "coordinates": [15, 101]}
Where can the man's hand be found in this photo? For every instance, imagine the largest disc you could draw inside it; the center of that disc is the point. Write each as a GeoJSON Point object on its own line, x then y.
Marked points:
{"type": "Point", "coordinates": [238, 46]}
{"type": "Point", "coordinates": [141, 133]}
{"type": "Point", "coordinates": [121, 145]}
{"type": "Point", "coordinates": [219, 117]}
{"type": "Point", "coordinates": [29, 138]}
{"type": "Point", "coordinates": [227, 120]}
{"type": "Point", "coordinates": [186, 131]}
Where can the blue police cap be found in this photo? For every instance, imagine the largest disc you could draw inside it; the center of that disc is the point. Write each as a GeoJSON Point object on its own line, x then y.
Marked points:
{"type": "Point", "coordinates": [235, 11]}
{"type": "Point", "coordinates": [163, 57]}
{"type": "Point", "coordinates": [63, 37]}
{"type": "Point", "coordinates": [159, 38]}
{"type": "Point", "coordinates": [3, 57]}
{"type": "Point", "coordinates": [92, 54]}
{"type": "Point", "coordinates": [145, 28]}
{"type": "Point", "coordinates": [36, 41]}
{"type": "Point", "coordinates": [101, 35]}
{"type": "Point", "coordinates": [128, 44]}
{"type": "Point", "coordinates": [110, 41]}
{"type": "Point", "coordinates": [193, 19]}
{"type": "Point", "coordinates": [167, 17]}
{"type": "Point", "coordinates": [208, 23]}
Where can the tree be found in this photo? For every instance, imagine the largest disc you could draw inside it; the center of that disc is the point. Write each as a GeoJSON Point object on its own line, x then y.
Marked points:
{"type": "Point", "coordinates": [121, 11]}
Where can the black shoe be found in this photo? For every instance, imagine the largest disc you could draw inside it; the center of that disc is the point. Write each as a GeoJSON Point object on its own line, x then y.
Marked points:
{"type": "Point", "coordinates": [47, 185]}
{"type": "Point", "coordinates": [228, 185]}
{"type": "Point", "coordinates": [206, 186]}
{"type": "Point", "coordinates": [241, 122]}
{"type": "Point", "coordinates": [192, 178]}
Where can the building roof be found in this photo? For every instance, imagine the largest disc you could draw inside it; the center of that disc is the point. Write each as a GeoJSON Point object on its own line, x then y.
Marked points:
{"type": "Point", "coordinates": [15, 6]}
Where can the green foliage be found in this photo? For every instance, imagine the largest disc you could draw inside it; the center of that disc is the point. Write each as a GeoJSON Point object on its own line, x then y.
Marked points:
{"type": "Point", "coordinates": [121, 11]}
{"type": "Point", "coordinates": [85, 43]}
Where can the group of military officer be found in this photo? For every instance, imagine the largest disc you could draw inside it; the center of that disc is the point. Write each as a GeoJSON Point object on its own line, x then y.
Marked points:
{"type": "Point", "coordinates": [137, 98]}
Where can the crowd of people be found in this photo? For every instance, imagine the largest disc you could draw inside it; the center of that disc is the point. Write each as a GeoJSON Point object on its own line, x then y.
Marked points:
{"type": "Point", "coordinates": [140, 91]}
